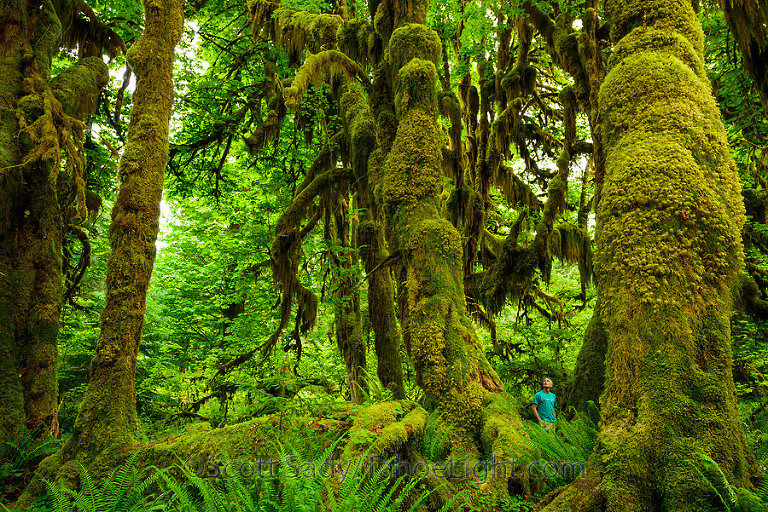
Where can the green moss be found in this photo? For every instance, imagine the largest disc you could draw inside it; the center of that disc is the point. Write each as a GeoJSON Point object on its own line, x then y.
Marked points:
{"type": "Point", "coordinates": [391, 14]}
{"type": "Point", "coordinates": [589, 372]}
{"type": "Point", "coordinates": [359, 120]}
{"type": "Point", "coordinates": [413, 169]}
{"type": "Point", "coordinates": [78, 87]}
{"type": "Point", "coordinates": [504, 439]}
{"type": "Point", "coordinates": [414, 41]}
{"type": "Point", "coordinates": [416, 87]}
{"type": "Point", "coordinates": [297, 31]}
{"type": "Point", "coordinates": [668, 251]}
{"type": "Point", "coordinates": [328, 64]}
{"type": "Point", "coordinates": [384, 429]}
{"type": "Point", "coordinates": [356, 38]}
{"type": "Point", "coordinates": [644, 39]}
{"type": "Point", "coordinates": [673, 16]}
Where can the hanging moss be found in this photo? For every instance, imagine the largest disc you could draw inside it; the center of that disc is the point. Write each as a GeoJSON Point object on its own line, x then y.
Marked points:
{"type": "Point", "coordinates": [259, 12]}
{"type": "Point", "coordinates": [326, 65]}
{"type": "Point", "coordinates": [297, 31]}
{"type": "Point", "coordinates": [747, 21]}
{"type": "Point", "coordinates": [357, 39]}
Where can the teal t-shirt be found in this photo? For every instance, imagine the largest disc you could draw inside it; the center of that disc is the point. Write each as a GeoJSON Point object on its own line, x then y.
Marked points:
{"type": "Point", "coordinates": [545, 405]}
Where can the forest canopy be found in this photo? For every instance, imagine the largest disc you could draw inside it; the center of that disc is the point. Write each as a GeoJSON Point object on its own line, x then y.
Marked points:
{"type": "Point", "coordinates": [334, 234]}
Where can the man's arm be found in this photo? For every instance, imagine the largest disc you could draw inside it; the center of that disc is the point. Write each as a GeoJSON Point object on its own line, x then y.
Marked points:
{"type": "Point", "coordinates": [535, 409]}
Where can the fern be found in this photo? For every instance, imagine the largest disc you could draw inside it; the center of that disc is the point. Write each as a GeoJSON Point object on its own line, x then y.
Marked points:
{"type": "Point", "coordinates": [572, 442]}
{"type": "Point", "coordinates": [435, 444]}
{"type": "Point", "coordinates": [124, 491]}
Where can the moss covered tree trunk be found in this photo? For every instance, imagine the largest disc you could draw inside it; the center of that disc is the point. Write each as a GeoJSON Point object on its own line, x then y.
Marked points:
{"type": "Point", "coordinates": [373, 248]}
{"type": "Point", "coordinates": [108, 412]}
{"type": "Point", "coordinates": [444, 348]}
{"type": "Point", "coordinates": [39, 119]}
{"type": "Point", "coordinates": [348, 319]}
{"type": "Point", "coordinates": [589, 371]}
{"type": "Point", "coordinates": [107, 419]}
{"type": "Point", "coordinates": [668, 249]}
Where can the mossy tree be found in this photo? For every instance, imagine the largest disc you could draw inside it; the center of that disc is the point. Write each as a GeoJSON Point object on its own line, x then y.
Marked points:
{"type": "Point", "coordinates": [107, 419]}
{"type": "Point", "coordinates": [347, 48]}
{"type": "Point", "coordinates": [42, 191]}
{"type": "Point", "coordinates": [668, 251]}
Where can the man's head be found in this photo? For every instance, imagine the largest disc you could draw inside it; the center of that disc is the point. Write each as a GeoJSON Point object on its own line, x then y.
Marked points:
{"type": "Point", "coordinates": [546, 383]}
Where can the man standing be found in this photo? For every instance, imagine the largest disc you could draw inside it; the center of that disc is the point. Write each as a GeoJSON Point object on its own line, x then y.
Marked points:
{"type": "Point", "coordinates": [544, 404]}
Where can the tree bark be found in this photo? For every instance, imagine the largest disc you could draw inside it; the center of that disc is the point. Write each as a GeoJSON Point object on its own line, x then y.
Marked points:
{"type": "Point", "coordinates": [107, 419]}
{"type": "Point", "coordinates": [668, 250]}
{"type": "Point", "coordinates": [108, 412]}
{"type": "Point", "coordinates": [39, 118]}
{"type": "Point", "coordinates": [445, 351]}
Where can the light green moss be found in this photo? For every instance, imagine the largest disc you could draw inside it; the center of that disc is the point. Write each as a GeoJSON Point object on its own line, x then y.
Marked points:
{"type": "Point", "coordinates": [668, 251]}
{"type": "Point", "coordinates": [384, 429]}
{"type": "Point", "coordinates": [665, 43]}
{"type": "Point", "coordinates": [669, 15]}
{"type": "Point", "coordinates": [78, 87]}
{"type": "Point", "coordinates": [414, 41]}
{"type": "Point", "coordinates": [416, 87]}
{"type": "Point", "coordinates": [328, 64]}
{"type": "Point", "coordinates": [413, 169]}
{"type": "Point", "coordinates": [505, 440]}
{"type": "Point", "coordinates": [297, 31]}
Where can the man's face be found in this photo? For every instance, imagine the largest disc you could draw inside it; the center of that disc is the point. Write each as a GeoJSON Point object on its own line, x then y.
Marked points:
{"type": "Point", "coordinates": [547, 383]}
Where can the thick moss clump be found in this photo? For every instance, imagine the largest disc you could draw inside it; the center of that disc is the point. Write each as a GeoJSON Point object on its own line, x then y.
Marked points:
{"type": "Point", "coordinates": [385, 429]}
{"type": "Point", "coordinates": [78, 87]}
{"type": "Point", "coordinates": [668, 15]}
{"type": "Point", "coordinates": [414, 41]}
{"type": "Point", "coordinates": [668, 251]}
{"type": "Point", "coordinates": [446, 353]}
{"type": "Point", "coordinates": [416, 87]}
{"type": "Point", "coordinates": [505, 441]}
{"type": "Point", "coordinates": [413, 167]}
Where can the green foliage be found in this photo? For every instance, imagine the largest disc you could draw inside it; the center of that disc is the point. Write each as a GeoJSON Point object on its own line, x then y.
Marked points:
{"type": "Point", "coordinates": [20, 458]}
{"type": "Point", "coordinates": [568, 445]}
{"type": "Point", "coordinates": [436, 444]}
{"type": "Point", "coordinates": [292, 488]}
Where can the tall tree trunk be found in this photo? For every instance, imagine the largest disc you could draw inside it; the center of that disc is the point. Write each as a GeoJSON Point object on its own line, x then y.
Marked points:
{"type": "Point", "coordinates": [347, 318]}
{"type": "Point", "coordinates": [445, 351]}
{"type": "Point", "coordinates": [39, 118]}
{"type": "Point", "coordinates": [589, 371]}
{"type": "Point", "coordinates": [381, 307]}
{"type": "Point", "coordinates": [107, 419]}
{"type": "Point", "coordinates": [108, 411]}
{"type": "Point", "coordinates": [373, 249]}
{"type": "Point", "coordinates": [668, 249]}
